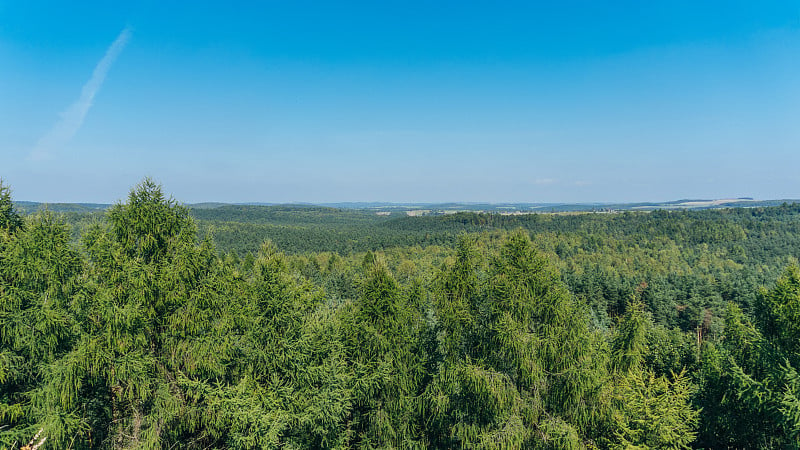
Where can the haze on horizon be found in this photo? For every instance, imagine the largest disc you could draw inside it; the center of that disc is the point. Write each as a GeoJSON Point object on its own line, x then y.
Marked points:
{"type": "Point", "coordinates": [401, 101]}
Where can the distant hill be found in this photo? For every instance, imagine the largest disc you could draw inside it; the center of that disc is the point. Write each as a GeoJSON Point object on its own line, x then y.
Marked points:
{"type": "Point", "coordinates": [32, 207]}
{"type": "Point", "coordinates": [235, 211]}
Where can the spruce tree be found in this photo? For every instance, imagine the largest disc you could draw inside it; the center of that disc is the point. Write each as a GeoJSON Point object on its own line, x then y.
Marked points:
{"type": "Point", "coordinates": [382, 336]}
{"type": "Point", "coordinates": [41, 286]}
{"type": "Point", "coordinates": [10, 220]}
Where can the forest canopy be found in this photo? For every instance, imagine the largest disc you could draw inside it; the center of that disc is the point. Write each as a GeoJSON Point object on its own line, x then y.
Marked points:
{"type": "Point", "coordinates": [154, 326]}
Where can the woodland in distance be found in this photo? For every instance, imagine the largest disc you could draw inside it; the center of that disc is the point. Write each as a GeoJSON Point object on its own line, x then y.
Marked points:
{"type": "Point", "coordinates": [153, 325]}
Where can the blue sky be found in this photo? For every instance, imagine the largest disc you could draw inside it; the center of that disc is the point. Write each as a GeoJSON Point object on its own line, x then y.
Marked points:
{"type": "Point", "coordinates": [401, 101]}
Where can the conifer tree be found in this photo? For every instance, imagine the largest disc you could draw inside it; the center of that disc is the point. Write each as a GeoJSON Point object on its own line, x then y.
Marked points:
{"type": "Point", "coordinates": [293, 351]}
{"type": "Point", "coordinates": [10, 219]}
{"type": "Point", "coordinates": [749, 385]}
{"type": "Point", "coordinates": [522, 368]}
{"type": "Point", "coordinates": [649, 411]}
{"type": "Point", "coordinates": [653, 411]}
{"type": "Point", "coordinates": [628, 344]}
{"type": "Point", "coordinates": [145, 267]}
{"type": "Point", "coordinates": [40, 285]}
{"type": "Point", "coordinates": [382, 339]}
{"type": "Point", "coordinates": [544, 342]}
{"type": "Point", "coordinates": [778, 313]}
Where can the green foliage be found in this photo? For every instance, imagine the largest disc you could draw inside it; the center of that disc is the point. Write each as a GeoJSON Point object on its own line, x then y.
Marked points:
{"type": "Point", "coordinates": [137, 331]}
{"type": "Point", "coordinates": [10, 220]}
{"type": "Point", "coordinates": [650, 410]}
{"type": "Point", "coordinates": [458, 303]}
{"type": "Point", "coordinates": [671, 350]}
{"type": "Point", "coordinates": [40, 277]}
{"type": "Point", "coordinates": [749, 385]}
{"type": "Point", "coordinates": [382, 338]}
{"type": "Point", "coordinates": [148, 223]}
{"type": "Point", "coordinates": [628, 345]}
{"type": "Point", "coordinates": [522, 367]}
{"type": "Point", "coordinates": [653, 412]}
{"type": "Point", "coordinates": [540, 331]}
{"type": "Point", "coordinates": [778, 313]}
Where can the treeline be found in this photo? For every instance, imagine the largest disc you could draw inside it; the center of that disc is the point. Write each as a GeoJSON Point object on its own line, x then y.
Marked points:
{"type": "Point", "coordinates": [692, 262]}
{"type": "Point", "coordinates": [143, 334]}
{"type": "Point", "coordinates": [688, 227]}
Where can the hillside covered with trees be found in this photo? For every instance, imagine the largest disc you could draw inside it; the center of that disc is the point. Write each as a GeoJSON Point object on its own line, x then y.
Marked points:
{"type": "Point", "coordinates": [157, 326]}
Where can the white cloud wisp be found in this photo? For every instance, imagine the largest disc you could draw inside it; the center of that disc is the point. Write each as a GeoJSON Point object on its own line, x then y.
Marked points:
{"type": "Point", "coordinates": [72, 119]}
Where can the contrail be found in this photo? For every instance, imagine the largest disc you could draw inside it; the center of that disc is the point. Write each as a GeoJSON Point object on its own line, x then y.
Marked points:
{"type": "Point", "coordinates": [72, 119]}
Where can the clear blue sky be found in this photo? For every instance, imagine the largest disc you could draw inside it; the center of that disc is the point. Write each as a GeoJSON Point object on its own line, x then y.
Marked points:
{"type": "Point", "coordinates": [401, 100]}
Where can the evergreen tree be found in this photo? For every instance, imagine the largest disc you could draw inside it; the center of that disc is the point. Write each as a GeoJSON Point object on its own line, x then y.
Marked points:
{"type": "Point", "coordinates": [628, 344]}
{"type": "Point", "coordinates": [653, 412]}
{"type": "Point", "coordinates": [750, 386]}
{"type": "Point", "coordinates": [10, 220]}
{"type": "Point", "coordinates": [522, 368]}
{"type": "Point", "coordinates": [649, 411]}
{"type": "Point", "coordinates": [382, 335]}
{"type": "Point", "coordinates": [40, 285]}
{"type": "Point", "coordinates": [778, 313]}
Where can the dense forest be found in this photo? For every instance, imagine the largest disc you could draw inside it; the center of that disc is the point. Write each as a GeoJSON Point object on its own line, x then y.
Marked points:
{"type": "Point", "coordinates": [153, 325]}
